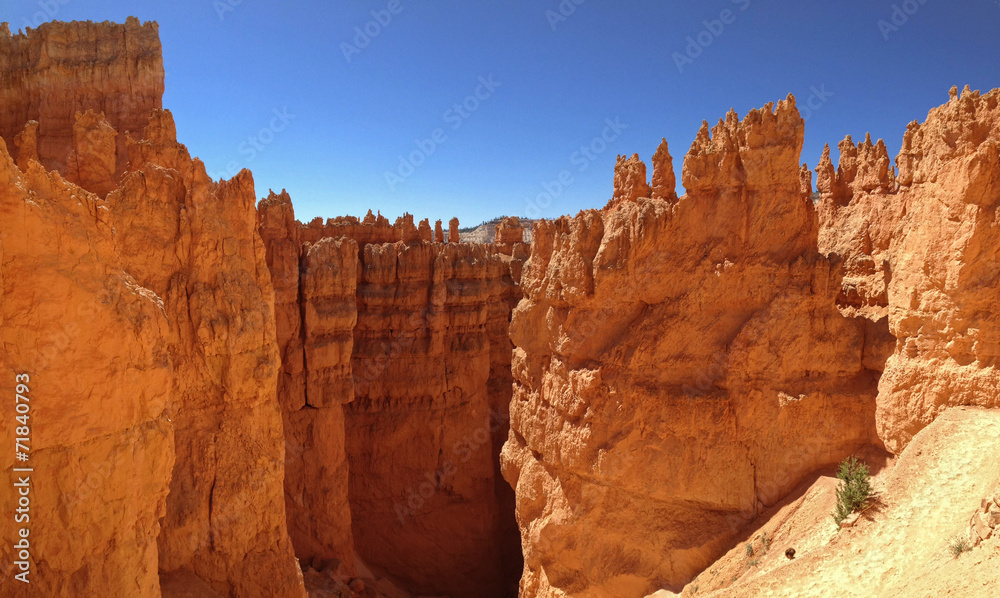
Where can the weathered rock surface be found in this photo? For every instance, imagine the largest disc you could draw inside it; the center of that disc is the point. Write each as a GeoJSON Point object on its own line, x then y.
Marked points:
{"type": "Point", "coordinates": [212, 384]}
{"type": "Point", "coordinates": [922, 249]}
{"type": "Point", "coordinates": [51, 73]}
{"type": "Point", "coordinates": [194, 243]}
{"type": "Point", "coordinates": [405, 345]}
{"type": "Point", "coordinates": [678, 366]}
{"type": "Point", "coordinates": [150, 318]}
{"type": "Point", "coordinates": [422, 496]}
{"type": "Point", "coordinates": [101, 444]}
{"type": "Point", "coordinates": [316, 312]}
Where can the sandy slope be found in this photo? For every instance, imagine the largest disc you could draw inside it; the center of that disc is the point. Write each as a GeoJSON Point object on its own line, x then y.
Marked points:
{"type": "Point", "coordinates": [899, 549]}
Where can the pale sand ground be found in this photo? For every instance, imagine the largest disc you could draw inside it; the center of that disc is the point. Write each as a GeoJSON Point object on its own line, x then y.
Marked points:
{"type": "Point", "coordinates": [898, 550]}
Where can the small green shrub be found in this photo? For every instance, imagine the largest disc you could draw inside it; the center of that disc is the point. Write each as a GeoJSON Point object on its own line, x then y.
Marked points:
{"type": "Point", "coordinates": [749, 548]}
{"type": "Point", "coordinates": [753, 563]}
{"type": "Point", "coordinates": [959, 546]}
{"type": "Point", "coordinates": [766, 541]}
{"type": "Point", "coordinates": [855, 488]}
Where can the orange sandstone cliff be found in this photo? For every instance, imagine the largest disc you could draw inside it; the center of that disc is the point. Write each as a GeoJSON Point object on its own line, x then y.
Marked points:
{"type": "Point", "coordinates": [52, 73]}
{"type": "Point", "coordinates": [399, 346]}
{"type": "Point", "coordinates": [700, 355]}
{"type": "Point", "coordinates": [146, 324]}
{"type": "Point", "coordinates": [222, 397]}
{"type": "Point", "coordinates": [680, 364]}
{"type": "Point", "coordinates": [922, 250]}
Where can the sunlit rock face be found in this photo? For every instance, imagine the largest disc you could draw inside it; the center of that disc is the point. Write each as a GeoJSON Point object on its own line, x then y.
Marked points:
{"type": "Point", "coordinates": [679, 364]}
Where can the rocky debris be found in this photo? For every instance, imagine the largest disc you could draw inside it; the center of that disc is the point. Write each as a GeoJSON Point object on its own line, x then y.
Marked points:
{"type": "Point", "coordinates": [986, 520]}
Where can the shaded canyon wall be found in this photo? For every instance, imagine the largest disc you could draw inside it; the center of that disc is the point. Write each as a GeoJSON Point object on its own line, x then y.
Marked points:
{"type": "Point", "coordinates": [400, 345]}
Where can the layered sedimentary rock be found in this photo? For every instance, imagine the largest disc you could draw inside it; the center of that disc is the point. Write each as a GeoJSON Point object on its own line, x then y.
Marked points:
{"type": "Point", "coordinates": [921, 248]}
{"type": "Point", "coordinates": [423, 495]}
{"type": "Point", "coordinates": [316, 312]}
{"type": "Point", "coordinates": [406, 342]}
{"type": "Point", "coordinates": [50, 74]}
{"type": "Point", "coordinates": [679, 364]}
{"type": "Point", "coordinates": [147, 319]}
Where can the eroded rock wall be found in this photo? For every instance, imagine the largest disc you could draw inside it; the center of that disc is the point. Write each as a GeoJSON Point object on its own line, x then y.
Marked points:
{"type": "Point", "coordinates": [147, 319]}
{"type": "Point", "coordinates": [100, 441]}
{"type": "Point", "coordinates": [405, 344]}
{"type": "Point", "coordinates": [51, 73]}
{"type": "Point", "coordinates": [921, 249]}
{"type": "Point", "coordinates": [194, 243]}
{"type": "Point", "coordinates": [679, 364]}
{"type": "Point", "coordinates": [316, 312]}
{"type": "Point", "coordinates": [423, 493]}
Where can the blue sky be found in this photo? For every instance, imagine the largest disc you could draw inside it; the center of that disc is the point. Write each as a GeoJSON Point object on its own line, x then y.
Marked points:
{"type": "Point", "coordinates": [550, 75]}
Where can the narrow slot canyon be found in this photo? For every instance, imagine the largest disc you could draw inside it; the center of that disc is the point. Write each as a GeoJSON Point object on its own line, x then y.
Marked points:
{"type": "Point", "coordinates": [615, 404]}
{"type": "Point", "coordinates": [395, 388]}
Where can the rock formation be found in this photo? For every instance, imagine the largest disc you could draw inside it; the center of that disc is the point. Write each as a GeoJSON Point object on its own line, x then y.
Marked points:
{"type": "Point", "coordinates": [101, 442]}
{"type": "Point", "coordinates": [210, 389]}
{"type": "Point", "coordinates": [630, 180]}
{"type": "Point", "coordinates": [921, 249]}
{"type": "Point", "coordinates": [115, 69]}
{"type": "Point", "coordinates": [315, 308]}
{"type": "Point", "coordinates": [201, 255]}
{"type": "Point", "coordinates": [159, 433]}
{"type": "Point", "coordinates": [407, 343]}
{"type": "Point", "coordinates": [679, 366]}
{"type": "Point", "coordinates": [664, 182]}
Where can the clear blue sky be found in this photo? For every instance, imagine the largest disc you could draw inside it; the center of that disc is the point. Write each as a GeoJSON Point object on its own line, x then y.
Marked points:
{"type": "Point", "coordinates": [231, 63]}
